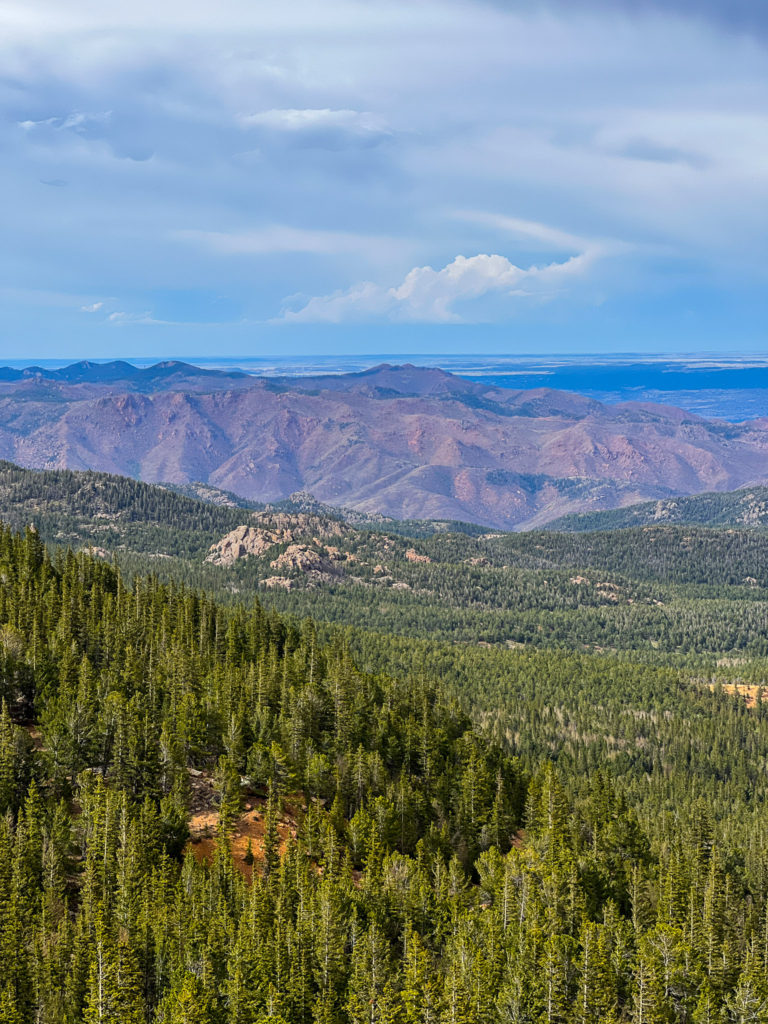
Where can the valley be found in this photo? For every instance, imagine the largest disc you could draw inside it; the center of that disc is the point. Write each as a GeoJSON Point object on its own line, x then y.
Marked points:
{"type": "Point", "coordinates": [384, 513]}
{"type": "Point", "coordinates": [428, 717]}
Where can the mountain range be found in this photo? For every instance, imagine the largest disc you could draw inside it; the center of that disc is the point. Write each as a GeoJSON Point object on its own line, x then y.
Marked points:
{"type": "Point", "coordinates": [403, 441]}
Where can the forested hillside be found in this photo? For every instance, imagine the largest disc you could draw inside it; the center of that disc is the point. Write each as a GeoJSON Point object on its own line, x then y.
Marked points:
{"type": "Point", "coordinates": [408, 868]}
{"type": "Point", "coordinates": [673, 589]}
{"type": "Point", "coordinates": [747, 507]}
{"type": "Point", "coordinates": [117, 513]}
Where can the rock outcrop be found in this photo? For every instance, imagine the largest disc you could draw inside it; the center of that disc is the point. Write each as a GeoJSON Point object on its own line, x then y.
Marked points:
{"type": "Point", "coordinates": [273, 528]}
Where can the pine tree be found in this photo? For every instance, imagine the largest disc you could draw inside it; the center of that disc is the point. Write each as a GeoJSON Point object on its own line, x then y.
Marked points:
{"type": "Point", "coordinates": [185, 1004]}
{"type": "Point", "coordinates": [421, 995]}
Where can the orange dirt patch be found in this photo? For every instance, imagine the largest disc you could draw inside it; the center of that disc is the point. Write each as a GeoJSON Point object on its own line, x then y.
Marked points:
{"type": "Point", "coordinates": [250, 826]}
{"type": "Point", "coordinates": [413, 556]}
{"type": "Point", "coordinates": [748, 692]}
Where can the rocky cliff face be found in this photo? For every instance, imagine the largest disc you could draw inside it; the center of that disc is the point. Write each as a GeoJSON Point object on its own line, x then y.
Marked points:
{"type": "Point", "coordinates": [403, 441]}
{"type": "Point", "coordinates": [271, 529]}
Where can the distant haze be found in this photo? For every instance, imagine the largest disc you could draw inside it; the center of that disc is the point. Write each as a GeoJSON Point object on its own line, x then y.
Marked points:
{"type": "Point", "coordinates": [728, 387]}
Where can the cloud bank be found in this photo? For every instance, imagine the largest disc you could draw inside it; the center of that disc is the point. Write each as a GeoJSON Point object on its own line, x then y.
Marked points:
{"type": "Point", "coordinates": [244, 152]}
{"type": "Point", "coordinates": [431, 296]}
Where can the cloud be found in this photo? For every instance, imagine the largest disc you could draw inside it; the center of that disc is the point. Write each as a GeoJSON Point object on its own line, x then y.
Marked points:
{"type": "Point", "coordinates": [27, 126]}
{"type": "Point", "coordinates": [746, 16]}
{"type": "Point", "coordinates": [293, 120]}
{"type": "Point", "coordinates": [93, 308]}
{"type": "Point", "coordinates": [77, 121]}
{"type": "Point", "coordinates": [530, 230]}
{"type": "Point", "coordinates": [280, 238]}
{"type": "Point", "coordinates": [44, 298]}
{"type": "Point", "coordinates": [122, 318]}
{"type": "Point", "coordinates": [739, 16]}
{"type": "Point", "coordinates": [429, 296]}
{"type": "Point", "coordinates": [320, 127]}
{"type": "Point", "coordinates": [321, 145]}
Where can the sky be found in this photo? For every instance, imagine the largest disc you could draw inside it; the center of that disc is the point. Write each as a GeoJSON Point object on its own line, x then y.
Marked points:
{"type": "Point", "coordinates": [253, 178]}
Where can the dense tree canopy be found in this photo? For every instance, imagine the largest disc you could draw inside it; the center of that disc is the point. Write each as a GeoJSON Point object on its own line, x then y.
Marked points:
{"type": "Point", "coordinates": [436, 874]}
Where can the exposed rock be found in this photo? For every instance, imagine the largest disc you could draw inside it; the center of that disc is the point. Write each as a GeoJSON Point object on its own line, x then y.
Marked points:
{"type": "Point", "coordinates": [302, 558]}
{"type": "Point", "coordinates": [413, 556]}
{"type": "Point", "coordinates": [273, 528]}
{"type": "Point", "coordinates": [240, 543]}
{"type": "Point", "coordinates": [99, 552]}
{"type": "Point", "coordinates": [287, 527]}
{"type": "Point", "coordinates": [608, 591]}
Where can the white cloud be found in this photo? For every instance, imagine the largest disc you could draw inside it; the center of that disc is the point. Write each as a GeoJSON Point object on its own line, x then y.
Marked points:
{"type": "Point", "coordinates": [28, 126]}
{"type": "Point", "coordinates": [529, 230]}
{"type": "Point", "coordinates": [429, 296]}
{"type": "Point", "coordinates": [44, 298]}
{"type": "Point", "coordinates": [26, 21]}
{"type": "Point", "coordinates": [121, 317]}
{"type": "Point", "coordinates": [296, 120]}
{"type": "Point", "coordinates": [77, 121]}
{"type": "Point", "coordinates": [94, 307]}
{"type": "Point", "coordinates": [648, 129]}
{"type": "Point", "coordinates": [280, 238]}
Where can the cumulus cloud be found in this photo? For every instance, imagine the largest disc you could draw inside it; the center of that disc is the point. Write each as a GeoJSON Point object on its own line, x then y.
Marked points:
{"type": "Point", "coordinates": [94, 307]}
{"type": "Point", "coordinates": [472, 283]}
{"type": "Point", "coordinates": [427, 295]}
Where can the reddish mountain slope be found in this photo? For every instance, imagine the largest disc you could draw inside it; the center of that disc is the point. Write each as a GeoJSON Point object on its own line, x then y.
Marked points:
{"type": "Point", "coordinates": [404, 441]}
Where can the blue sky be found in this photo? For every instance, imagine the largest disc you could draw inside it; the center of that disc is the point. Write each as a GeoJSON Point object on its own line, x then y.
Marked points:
{"type": "Point", "coordinates": [253, 179]}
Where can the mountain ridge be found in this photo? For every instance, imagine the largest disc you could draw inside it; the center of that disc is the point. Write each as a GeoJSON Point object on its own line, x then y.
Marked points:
{"type": "Point", "coordinates": [403, 441]}
{"type": "Point", "coordinates": [745, 508]}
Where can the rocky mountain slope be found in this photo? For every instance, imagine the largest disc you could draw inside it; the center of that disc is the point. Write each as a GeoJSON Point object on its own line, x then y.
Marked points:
{"type": "Point", "coordinates": [404, 441]}
{"type": "Point", "coordinates": [743, 509]}
{"type": "Point", "coordinates": [649, 588]}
